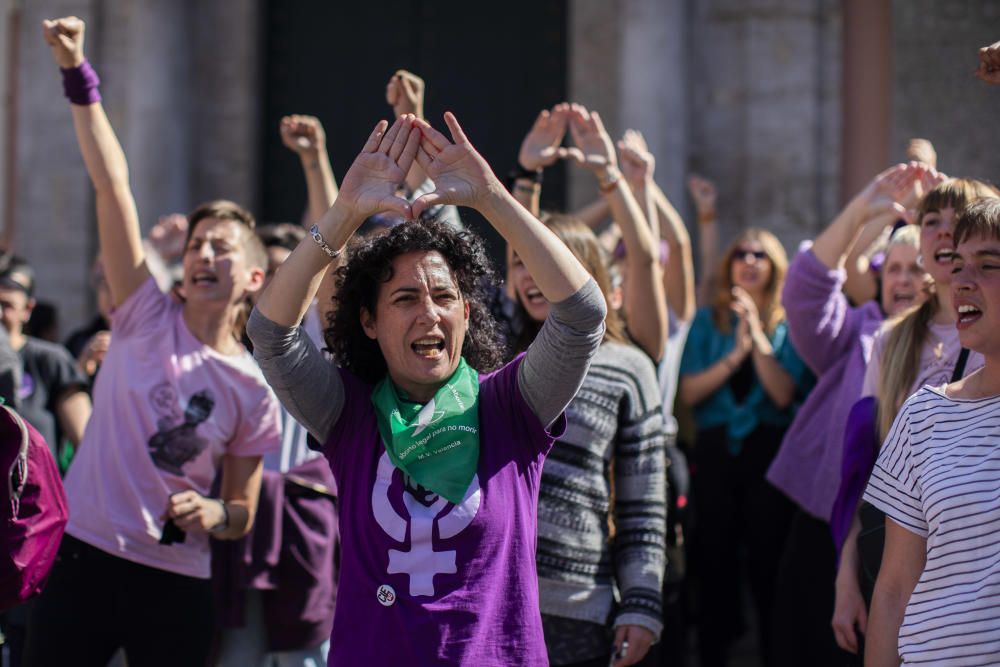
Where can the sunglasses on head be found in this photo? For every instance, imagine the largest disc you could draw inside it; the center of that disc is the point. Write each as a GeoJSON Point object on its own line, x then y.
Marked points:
{"type": "Point", "coordinates": [745, 255]}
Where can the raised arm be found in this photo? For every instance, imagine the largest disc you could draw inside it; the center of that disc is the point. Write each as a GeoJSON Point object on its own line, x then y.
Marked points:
{"type": "Point", "coordinates": [369, 187]}
{"type": "Point", "coordinates": [463, 178]}
{"type": "Point", "coordinates": [678, 277]}
{"type": "Point", "coordinates": [117, 218]}
{"type": "Point", "coordinates": [540, 148]}
{"type": "Point", "coordinates": [645, 303]}
{"type": "Point", "coordinates": [405, 94]}
{"type": "Point", "coordinates": [704, 195]}
{"type": "Point", "coordinates": [294, 368]}
{"type": "Point", "coordinates": [304, 136]}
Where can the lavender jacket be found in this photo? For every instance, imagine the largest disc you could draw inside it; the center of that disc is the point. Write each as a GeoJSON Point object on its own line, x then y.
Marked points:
{"type": "Point", "coordinates": [835, 341]}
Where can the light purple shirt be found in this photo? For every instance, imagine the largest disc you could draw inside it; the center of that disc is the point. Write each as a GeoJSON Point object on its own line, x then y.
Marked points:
{"type": "Point", "coordinates": [835, 341]}
{"type": "Point", "coordinates": [425, 582]}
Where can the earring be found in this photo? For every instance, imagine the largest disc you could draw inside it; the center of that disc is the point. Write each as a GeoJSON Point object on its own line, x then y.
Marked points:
{"type": "Point", "coordinates": [920, 261]}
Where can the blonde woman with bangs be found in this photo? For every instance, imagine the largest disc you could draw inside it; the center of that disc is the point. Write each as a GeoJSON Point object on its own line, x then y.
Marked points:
{"type": "Point", "coordinates": [742, 378]}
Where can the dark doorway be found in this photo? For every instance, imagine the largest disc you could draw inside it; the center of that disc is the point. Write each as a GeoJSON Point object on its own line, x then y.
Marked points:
{"type": "Point", "coordinates": [495, 65]}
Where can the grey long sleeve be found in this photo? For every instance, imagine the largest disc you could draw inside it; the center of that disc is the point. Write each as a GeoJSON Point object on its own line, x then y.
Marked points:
{"type": "Point", "coordinates": [558, 359]}
{"type": "Point", "coordinates": [306, 382]}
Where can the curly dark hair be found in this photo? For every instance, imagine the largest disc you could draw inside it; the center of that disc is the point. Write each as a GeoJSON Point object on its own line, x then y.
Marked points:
{"type": "Point", "coordinates": [369, 263]}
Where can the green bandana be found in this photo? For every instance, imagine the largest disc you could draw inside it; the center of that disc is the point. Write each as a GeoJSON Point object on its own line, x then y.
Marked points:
{"type": "Point", "coordinates": [436, 444]}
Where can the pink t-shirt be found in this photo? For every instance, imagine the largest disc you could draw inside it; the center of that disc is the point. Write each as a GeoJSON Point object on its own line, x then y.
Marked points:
{"type": "Point", "coordinates": [937, 359]}
{"type": "Point", "coordinates": [166, 409]}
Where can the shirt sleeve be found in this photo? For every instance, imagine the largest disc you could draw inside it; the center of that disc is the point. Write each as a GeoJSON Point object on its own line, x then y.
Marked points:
{"type": "Point", "coordinates": [640, 509]}
{"type": "Point", "coordinates": [894, 486]}
{"type": "Point", "coordinates": [696, 356]}
{"type": "Point", "coordinates": [259, 431]}
{"type": "Point", "coordinates": [143, 310]}
{"type": "Point", "coordinates": [63, 373]}
{"type": "Point", "coordinates": [306, 382]}
{"type": "Point", "coordinates": [869, 386]}
{"type": "Point", "coordinates": [821, 323]}
{"type": "Point", "coordinates": [556, 362]}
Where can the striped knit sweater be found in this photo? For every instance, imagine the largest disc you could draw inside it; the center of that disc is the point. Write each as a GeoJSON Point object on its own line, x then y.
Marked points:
{"type": "Point", "coordinates": [616, 416]}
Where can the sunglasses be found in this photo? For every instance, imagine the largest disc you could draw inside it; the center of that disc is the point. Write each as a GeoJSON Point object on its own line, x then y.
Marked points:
{"type": "Point", "coordinates": [745, 255]}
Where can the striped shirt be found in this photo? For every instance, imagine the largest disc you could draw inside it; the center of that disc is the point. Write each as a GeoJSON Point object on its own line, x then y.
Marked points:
{"type": "Point", "coordinates": [938, 475]}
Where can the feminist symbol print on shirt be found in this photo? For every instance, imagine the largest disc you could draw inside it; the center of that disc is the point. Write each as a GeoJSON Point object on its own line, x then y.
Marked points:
{"type": "Point", "coordinates": [421, 562]}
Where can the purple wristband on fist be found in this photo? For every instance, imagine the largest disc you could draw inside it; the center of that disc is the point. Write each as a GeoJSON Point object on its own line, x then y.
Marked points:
{"type": "Point", "coordinates": [80, 84]}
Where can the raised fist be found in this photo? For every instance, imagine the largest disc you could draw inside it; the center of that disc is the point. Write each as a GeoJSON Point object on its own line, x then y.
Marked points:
{"type": "Point", "coordinates": [169, 235]}
{"type": "Point", "coordinates": [65, 37]}
{"type": "Point", "coordinates": [989, 64]}
{"type": "Point", "coordinates": [637, 163]}
{"type": "Point", "coordinates": [303, 134]}
{"type": "Point", "coordinates": [703, 193]}
{"type": "Point", "coordinates": [405, 93]}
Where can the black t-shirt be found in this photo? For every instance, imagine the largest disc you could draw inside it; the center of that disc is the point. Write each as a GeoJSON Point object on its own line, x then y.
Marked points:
{"type": "Point", "coordinates": [47, 371]}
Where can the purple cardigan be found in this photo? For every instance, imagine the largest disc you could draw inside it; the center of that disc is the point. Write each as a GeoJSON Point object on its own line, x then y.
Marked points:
{"type": "Point", "coordinates": [835, 341]}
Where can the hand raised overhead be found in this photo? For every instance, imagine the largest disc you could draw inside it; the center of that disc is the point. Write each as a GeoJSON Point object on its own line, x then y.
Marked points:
{"type": "Point", "coordinates": [541, 146]}
{"type": "Point", "coordinates": [704, 195]}
{"type": "Point", "coordinates": [405, 93]}
{"type": "Point", "coordinates": [638, 163]}
{"type": "Point", "coordinates": [303, 134]}
{"type": "Point", "coordinates": [594, 149]}
{"type": "Point", "coordinates": [461, 176]}
{"type": "Point", "coordinates": [370, 186]}
{"type": "Point", "coordinates": [65, 37]}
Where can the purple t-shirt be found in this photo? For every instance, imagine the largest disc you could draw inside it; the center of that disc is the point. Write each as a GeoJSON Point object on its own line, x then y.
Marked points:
{"type": "Point", "coordinates": [426, 582]}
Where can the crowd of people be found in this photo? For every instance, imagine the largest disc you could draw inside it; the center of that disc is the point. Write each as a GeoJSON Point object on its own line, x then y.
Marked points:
{"type": "Point", "coordinates": [352, 440]}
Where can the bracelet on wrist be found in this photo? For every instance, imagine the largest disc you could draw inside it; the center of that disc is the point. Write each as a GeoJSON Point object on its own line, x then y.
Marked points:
{"type": "Point", "coordinates": [80, 84]}
{"type": "Point", "coordinates": [533, 175]}
{"type": "Point", "coordinates": [321, 242]}
{"type": "Point", "coordinates": [224, 524]}
{"type": "Point", "coordinates": [610, 181]}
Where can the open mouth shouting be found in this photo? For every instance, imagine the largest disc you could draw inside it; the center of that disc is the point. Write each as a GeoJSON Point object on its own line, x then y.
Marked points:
{"type": "Point", "coordinates": [903, 298]}
{"type": "Point", "coordinates": [428, 347]}
{"type": "Point", "coordinates": [944, 256]}
{"type": "Point", "coordinates": [204, 279]}
{"type": "Point", "coordinates": [967, 315]}
{"type": "Point", "coordinates": [534, 296]}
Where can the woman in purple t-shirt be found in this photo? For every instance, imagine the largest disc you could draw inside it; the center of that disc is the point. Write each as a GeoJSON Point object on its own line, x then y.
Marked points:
{"type": "Point", "coordinates": [437, 454]}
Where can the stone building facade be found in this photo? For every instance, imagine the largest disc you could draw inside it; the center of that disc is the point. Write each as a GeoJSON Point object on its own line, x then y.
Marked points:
{"type": "Point", "coordinates": [788, 105]}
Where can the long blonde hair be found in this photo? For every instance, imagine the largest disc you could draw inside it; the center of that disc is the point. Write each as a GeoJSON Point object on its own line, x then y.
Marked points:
{"type": "Point", "coordinates": [772, 313]}
{"type": "Point", "coordinates": [907, 331]}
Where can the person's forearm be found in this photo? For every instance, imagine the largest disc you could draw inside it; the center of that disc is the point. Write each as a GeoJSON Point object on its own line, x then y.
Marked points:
{"type": "Point", "coordinates": [697, 387]}
{"type": "Point", "coordinates": [645, 302]}
{"type": "Point", "coordinates": [777, 383]}
{"type": "Point", "coordinates": [708, 251]}
{"type": "Point", "coordinates": [73, 411]}
{"type": "Point", "coordinates": [117, 218]}
{"type": "Point", "coordinates": [321, 186]}
{"type": "Point", "coordinates": [557, 273]}
{"type": "Point", "coordinates": [240, 517]}
{"type": "Point", "coordinates": [832, 245]}
{"type": "Point", "coordinates": [860, 284]}
{"type": "Point", "coordinates": [884, 621]}
{"type": "Point", "coordinates": [293, 288]}
{"type": "Point", "coordinates": [415, 177]}
{"type": "Point", "coordinates": [679, 273]}
{"type": "Point", "coordinates": [528, 194]}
